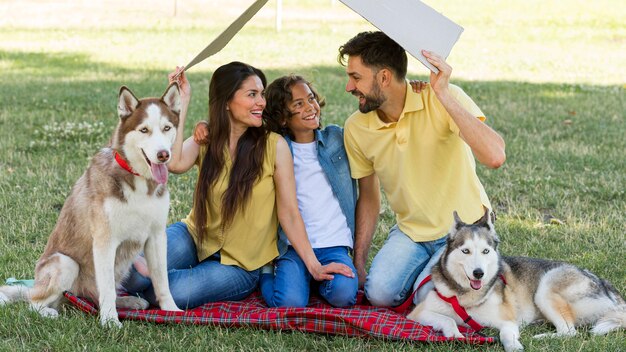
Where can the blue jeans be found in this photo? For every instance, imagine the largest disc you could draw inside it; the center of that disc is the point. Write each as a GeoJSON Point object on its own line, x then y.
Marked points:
{"type": "Point", "coordinates": [396, 267]}
{"type": "Point", "coordinates": [291, 284]}
{"type": "Point", "coordinates": [194, 283]}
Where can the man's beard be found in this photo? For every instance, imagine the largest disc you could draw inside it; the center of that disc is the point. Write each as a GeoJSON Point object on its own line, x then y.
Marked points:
{"type": "Point", "coordinates": [372, 101]}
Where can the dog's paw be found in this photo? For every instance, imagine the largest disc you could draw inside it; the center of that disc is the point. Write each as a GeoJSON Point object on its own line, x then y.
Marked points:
{"type": "Point", "coordinates": [132, 302]}
{"type": "Point", "coordinates": [452, 332]}
{"type": "Point", "coordinates": [568, 333]}
{"type": "Point", "coordinates": [543, 336]}
{"type": "Point", "coordinates": [48, 312]}
{"type": "Point", "coordinates": [110, 322]}
{"type": "Point", "coordinates": [512, 346]}
{"type": "Point", "coordinates": [171, 307]}
{"type": "Point", "coordinates": [3, 299]}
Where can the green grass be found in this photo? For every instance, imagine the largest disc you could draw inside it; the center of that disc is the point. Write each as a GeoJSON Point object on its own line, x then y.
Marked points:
{"type": "Point", "coordinates": [548, 74]}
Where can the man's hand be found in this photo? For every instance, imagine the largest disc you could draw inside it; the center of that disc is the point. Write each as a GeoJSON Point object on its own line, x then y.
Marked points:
{"type": "Point", "coordinates": [439, 81]}
{"type": "Point", "coordinates": [362, 275]}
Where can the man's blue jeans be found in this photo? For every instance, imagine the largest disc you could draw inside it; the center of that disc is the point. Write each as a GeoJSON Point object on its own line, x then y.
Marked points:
{"type": "Point", "coordinates": [290, 286]}
{"type": "Point", "coordinates": [194, 283]}
{"type": "Point", "coordinates": [396, 267]}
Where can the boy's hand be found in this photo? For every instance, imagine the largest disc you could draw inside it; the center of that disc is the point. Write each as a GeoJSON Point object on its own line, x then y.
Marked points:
{"type": "Point", "coordinates": [201, 132]}
{"type": "Point", "coordinates": [417, 85]}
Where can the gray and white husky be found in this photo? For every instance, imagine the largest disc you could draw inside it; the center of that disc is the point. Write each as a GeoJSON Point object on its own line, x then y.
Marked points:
{"type": "Point", "coordinates": [116, 209]}
{"type": "Point", "coordinates": [508, 292]}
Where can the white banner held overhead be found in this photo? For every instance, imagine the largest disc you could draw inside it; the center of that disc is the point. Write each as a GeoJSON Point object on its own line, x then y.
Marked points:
{"type": "Point", "coordinates": [412, 24]}
{"type": "Point", "coordinates": [220, 42]}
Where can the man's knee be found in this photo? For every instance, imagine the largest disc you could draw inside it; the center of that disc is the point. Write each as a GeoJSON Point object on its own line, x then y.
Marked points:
{"type": "Point", "coordinates": [383, 295]}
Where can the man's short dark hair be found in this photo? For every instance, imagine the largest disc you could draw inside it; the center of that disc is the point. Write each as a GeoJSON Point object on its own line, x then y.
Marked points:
{"type": "Point", "coordinates": [377, 50]}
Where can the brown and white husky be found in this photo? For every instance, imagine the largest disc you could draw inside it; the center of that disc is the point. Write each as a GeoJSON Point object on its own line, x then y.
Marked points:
{"type": "Point", "coordinates": [116, 209]}
{"type": "Point", "coordinates": [475, 286]}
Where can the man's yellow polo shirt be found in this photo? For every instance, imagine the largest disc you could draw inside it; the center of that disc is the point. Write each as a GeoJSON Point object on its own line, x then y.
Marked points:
{"type": "Point", "coordinates": [251, 239]}
{"type": "Point", "coordinates": [425, 169]}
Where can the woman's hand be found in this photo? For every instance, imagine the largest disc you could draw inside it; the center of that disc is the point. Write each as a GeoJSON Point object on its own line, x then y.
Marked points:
{"type": "Point", "coordinates": [184, 87]}
{"type": "Point", "coordinates": [324, 272]}
{"type": "Point", "coordinates": [184, 152]}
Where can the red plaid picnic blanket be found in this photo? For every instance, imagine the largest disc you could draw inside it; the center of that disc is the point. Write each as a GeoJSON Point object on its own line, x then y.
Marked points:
{"type": "Point", "coordinates": [318, 317]}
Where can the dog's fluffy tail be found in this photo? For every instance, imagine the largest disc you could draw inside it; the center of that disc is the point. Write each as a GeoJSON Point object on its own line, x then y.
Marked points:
{"type": "Point", "coordinates": [16, 293]}
{"type": "Point", "coordinates": [612, 320]}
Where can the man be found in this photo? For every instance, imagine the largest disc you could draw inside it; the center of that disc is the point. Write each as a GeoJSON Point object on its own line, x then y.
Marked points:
{"type": "Point", "coordinates": [419, 147]}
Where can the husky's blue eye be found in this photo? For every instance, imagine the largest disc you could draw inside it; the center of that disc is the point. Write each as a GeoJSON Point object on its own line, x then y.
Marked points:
{"type": "Point", "coordinates": [167, 128]}
{"type": "Point", "coordinates": [144, 130]}
{"type": "Point", "coordinates": [485, 251]}
{"type": "Point", "coordinates": [465, 251]}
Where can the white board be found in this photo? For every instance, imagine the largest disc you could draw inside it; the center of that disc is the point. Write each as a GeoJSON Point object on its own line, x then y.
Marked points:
{"type": "Point", "coordinates": [412, 24]}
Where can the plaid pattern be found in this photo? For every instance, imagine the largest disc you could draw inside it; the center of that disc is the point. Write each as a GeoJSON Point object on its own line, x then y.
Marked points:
{"type": "Point", "coordinates": [361, 320]}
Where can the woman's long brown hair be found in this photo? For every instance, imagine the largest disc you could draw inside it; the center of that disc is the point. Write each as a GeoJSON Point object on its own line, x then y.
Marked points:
{"type": "Point", "coordinates": [248, 163]}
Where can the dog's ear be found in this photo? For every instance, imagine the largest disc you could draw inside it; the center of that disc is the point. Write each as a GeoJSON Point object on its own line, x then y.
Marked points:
{"type": "Point", "coordinates": [485, 219]}
{"type": "Point", "coordinates": [127, 102]}
{"type": "Point", "coordinates": [488, 219]}
{"type": "Point", "coordinates": [456, 225]}
{"type": "Point", "coordinates": [171, 98]}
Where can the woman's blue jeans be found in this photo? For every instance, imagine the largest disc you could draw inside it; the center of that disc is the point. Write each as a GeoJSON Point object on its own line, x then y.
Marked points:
{"type": "Point", "coordinates": [291, 284]}
{"type": "Point", "coordinates": [193, 283]}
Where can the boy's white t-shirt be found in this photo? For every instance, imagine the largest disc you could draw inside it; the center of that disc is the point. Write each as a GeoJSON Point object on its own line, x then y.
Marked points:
{"type": "Point", "coordinates": [325, 223]}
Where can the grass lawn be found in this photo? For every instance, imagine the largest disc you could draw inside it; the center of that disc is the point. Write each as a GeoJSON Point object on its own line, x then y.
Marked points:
{"type": "Point", "coordinates": [550, 76]}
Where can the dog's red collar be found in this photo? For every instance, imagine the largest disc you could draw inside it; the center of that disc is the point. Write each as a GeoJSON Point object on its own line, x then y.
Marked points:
{"type": "Point", "coordinates": [453, 301]}
{"type": "Point", "coordinates": [123, 164]}
{"type": "Point", "coordinates": [458, 309]}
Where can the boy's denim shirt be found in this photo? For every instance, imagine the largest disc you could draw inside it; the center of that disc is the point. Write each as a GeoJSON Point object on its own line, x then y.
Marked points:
{"type": "Point", "coordinates": [334, 161]}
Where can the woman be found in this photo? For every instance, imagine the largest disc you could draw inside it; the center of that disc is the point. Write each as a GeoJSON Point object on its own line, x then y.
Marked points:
{"type": "Point", "coordinates": [245, 188]}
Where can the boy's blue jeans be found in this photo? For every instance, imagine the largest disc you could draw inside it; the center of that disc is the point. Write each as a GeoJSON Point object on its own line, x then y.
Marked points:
{"type": "Point", "coordinates": [291, 283]}
{"type": "Point", "coordinates": [191, 282]}
{"type": "Point", "coordinates": [396, 267]}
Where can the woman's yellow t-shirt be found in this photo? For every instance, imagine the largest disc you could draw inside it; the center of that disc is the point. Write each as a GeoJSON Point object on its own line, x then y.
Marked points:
{"type": "Point", "coordinates": [250, 241]}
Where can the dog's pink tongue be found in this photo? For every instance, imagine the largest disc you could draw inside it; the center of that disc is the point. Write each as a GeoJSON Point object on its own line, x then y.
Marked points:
{"type": "Point", "coordinates": [476, 284]}
{"type": "Point", "coordinates": [159, 172]}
